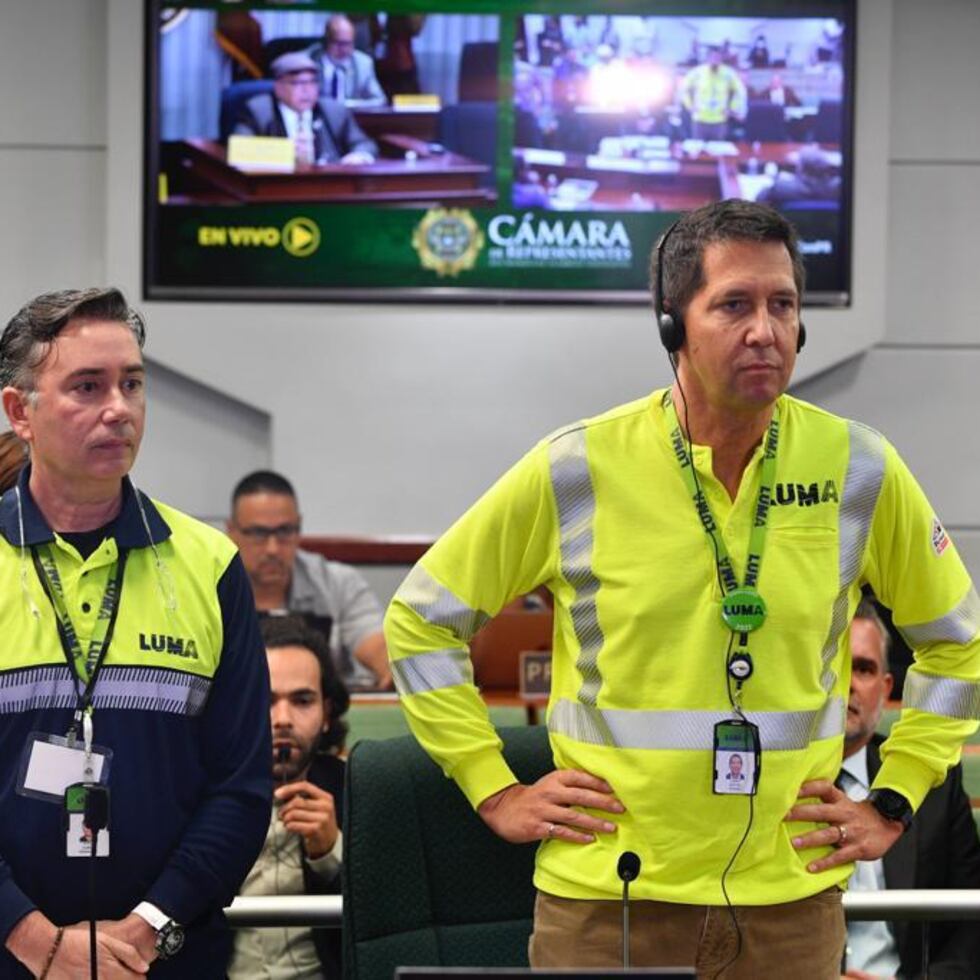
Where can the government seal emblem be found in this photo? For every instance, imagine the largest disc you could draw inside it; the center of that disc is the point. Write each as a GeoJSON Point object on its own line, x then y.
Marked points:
{"type": "Point", "coordinates": [448, 241]}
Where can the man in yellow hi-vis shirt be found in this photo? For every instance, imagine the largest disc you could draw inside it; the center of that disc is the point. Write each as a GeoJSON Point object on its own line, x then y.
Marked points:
{"type": "Point", "coordinates": [706, 547]}
{"type": "Point", "coordinates": [713, 94]}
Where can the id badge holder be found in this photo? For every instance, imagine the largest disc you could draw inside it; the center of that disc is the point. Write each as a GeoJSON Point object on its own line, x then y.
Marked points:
{"type": "Point", "coordinates": [86, 807]}
{"type": "Point", "coordinates": [51, 763]}
{"type": "Point", "coordinates": [737, 758]}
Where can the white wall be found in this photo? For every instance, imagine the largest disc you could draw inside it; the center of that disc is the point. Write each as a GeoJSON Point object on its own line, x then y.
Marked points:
{"type": "Point", "coordinates": [392, 419]}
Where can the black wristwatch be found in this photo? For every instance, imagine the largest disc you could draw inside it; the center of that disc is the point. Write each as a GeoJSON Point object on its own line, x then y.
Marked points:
{"type": "Point", "coordinates": [170, 935]}
{"type": "Point", "coordinates": [892, 806]}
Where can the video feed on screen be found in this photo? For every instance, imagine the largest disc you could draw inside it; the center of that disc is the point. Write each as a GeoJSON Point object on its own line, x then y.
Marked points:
{"type": "Point", "coordinates": [632, 113]}
{"type": "Point", "coordinates": [266, 106]}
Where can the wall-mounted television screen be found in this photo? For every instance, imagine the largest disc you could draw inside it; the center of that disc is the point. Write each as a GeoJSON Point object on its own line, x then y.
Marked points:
{"type": "Point", "coordinates": [483, 149]}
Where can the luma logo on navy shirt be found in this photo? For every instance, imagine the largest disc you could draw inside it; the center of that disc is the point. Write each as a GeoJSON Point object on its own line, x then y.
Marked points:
{"type": "Point", "coordinates": [164, 643]}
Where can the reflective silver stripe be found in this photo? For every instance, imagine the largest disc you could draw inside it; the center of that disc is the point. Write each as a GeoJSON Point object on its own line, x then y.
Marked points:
{"type": "Point", "coordinates": [438, 606]}
{"type": "Point", "coordinates": [575, 500]}
{"type": "Point", "coordinates": [959, 626]}
{"type": "Point", "coordinates": [431, 670]}
{"type": "Point", "coordinates": [945, 696]}
{"type": "Point", "coordinates": [862, 485]}
{"type": "Point", "coordinates": [127, 688]}
{"type": "Point", "coordinates": [778, 730]}
{"type": "Point", "coordinates": [36, 688]}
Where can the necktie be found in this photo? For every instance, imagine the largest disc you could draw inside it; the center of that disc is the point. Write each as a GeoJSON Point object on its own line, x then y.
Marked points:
{"type": "Point", "coordinates": [339, 86]}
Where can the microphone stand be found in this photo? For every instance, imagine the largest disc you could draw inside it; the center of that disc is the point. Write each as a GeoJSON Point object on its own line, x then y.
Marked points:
{"type": "Point", "coordinates": [626, 923]}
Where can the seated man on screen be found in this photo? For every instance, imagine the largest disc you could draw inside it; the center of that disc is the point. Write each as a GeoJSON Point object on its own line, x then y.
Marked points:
{"type": "Point", "coordinates": [265, 524]}
{"type": "Point", "coordinates": [940, 850]}
{"type": "Point", "coordinates": [322, 129]}
{"type": "Point", "coordinates": [816, 178]}
{"type": "Point", "coordinates": [346, 74]}
{"type": "Point", "coordinates": [302, 850]}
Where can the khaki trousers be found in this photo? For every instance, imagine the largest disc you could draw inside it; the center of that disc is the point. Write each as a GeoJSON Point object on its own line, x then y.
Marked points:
{"type": "Point", "coordinates": [803, 939]}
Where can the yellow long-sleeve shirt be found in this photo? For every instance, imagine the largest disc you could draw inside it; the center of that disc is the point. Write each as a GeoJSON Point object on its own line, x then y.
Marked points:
{"type": "Point", "coordinates": [600, 514]}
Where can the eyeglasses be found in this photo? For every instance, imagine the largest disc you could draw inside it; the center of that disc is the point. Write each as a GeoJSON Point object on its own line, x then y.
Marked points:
{"type": "Point", "coordinates": [260, 534]}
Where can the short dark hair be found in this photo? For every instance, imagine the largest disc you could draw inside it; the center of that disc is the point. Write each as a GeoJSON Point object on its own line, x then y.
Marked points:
{"type": "Point", "coordinates": [291, 631]}
{"type": "Point", "coordinates": [867, 609]}
{"type": "Point", "coordinates": [28, 336]}
{"type": "Point", "coordinates": [261, 481]}
{"type": "Point", "coordinates": [723, 221]}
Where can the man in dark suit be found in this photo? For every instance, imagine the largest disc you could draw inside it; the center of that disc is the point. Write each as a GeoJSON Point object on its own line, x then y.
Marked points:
{"type": "Point", "coordinates": [323, 130]}
{"type": "Point", "coordinates": [939, 850]}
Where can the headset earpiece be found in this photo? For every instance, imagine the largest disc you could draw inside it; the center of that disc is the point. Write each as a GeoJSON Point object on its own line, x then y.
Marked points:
{"type": "Point", "coordinates": [670, 325]}
{"type": "Point", "coordinates": [671, 328]}
{"type": "Point", "coordinates": [801, 338]}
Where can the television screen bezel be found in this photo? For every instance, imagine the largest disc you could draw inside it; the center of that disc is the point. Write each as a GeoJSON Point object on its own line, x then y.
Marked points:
{"type": "Point", "coordinates": [151, 290]}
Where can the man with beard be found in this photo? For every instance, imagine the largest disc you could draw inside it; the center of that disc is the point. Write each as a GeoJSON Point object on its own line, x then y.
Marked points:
{"type": "Point", "coordinates": [940, 850]}
{"type": "Point", "coordinates": [302, 851]}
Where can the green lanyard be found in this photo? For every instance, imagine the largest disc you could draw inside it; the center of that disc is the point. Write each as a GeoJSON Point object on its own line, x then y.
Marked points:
{"type": "Point", "coordinates": [84, 667]}
{"type": "Point", "coordinates": [742, 608]}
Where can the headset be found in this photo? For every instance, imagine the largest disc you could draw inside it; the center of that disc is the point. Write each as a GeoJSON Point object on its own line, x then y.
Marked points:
{"type": "Point", "coordinates": [671, 325]}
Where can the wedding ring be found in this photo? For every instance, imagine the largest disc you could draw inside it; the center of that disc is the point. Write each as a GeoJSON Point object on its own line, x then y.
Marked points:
{"type": "Point", "coordinates": [551, 830]}
{"type": "Point", "coordinates": [842, 835]}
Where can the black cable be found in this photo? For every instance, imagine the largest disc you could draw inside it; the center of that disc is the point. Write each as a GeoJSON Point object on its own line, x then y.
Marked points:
{"type": "Point", "coordinates": [724, 890]}
{"type": "Point", "coordinates": [694, 469]}
{"type": "Point", "coordinates": [728, 684]}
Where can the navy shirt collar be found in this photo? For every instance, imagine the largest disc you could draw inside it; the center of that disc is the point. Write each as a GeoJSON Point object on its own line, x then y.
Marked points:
{"type": "Point", "coordinates": [127, 528]}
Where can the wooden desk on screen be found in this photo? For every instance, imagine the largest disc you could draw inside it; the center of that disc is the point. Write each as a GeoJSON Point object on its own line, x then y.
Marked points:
{"type": "Point", "coordinates": [446, 178]}
{"type": "Point", "coordinates": [677, 182]}
{"type": "Point", "coordinates": [378, 121]}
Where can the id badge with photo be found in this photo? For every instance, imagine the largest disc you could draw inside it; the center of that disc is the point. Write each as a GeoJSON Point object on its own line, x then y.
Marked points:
{"type": "Point", "coordinates": [78, 838]}
{"type": "Point", "coordinates": [737, 758]}
{"type": "Point", "coordinates": [50, 764]}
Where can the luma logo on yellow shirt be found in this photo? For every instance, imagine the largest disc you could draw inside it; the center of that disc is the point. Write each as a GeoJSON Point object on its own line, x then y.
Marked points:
{"type": "Point", "coordinates": [164, 643]}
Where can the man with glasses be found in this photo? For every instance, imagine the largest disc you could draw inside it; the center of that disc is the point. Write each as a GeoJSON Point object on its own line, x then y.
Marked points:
{"type": "Point", "coordinates": [321, 128]}
{"type": "Point", "coordinates": [265, 524]}
{"type": "Point", "coordinates": [347, 74]}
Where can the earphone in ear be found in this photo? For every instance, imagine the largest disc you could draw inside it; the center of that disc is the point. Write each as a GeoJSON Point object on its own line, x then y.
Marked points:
{"type": "Point", "coordinates": [670, 325]}
{"type": "Point", "coordinates": [801, 338]}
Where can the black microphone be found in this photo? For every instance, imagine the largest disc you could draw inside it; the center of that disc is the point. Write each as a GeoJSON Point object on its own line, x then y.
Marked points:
{"type": "Point", "coordinates": [282, 757]}
{"type": "Point", "coordinates": [628, 870]}
{"type": "Point", "coordinates": [96, 816]}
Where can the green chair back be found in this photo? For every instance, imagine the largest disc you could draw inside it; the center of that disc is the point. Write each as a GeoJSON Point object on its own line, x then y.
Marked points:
{"type": "Point", "coordinates": [425, 882]}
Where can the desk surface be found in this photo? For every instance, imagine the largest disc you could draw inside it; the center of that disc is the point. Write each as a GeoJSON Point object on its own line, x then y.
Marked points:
{"type": "Point", "coordinates": [677, 181]}
{"type": "Point", "coordinates": [446, 177]}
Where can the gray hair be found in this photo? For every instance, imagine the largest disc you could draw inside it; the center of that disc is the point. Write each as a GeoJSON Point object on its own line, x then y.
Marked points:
{"type": "Point", "coordinates": [27, 338]}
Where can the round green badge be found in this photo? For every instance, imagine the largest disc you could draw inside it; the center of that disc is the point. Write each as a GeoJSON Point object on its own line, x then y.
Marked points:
{"type": "Point", "coordinates": [743, 610]}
